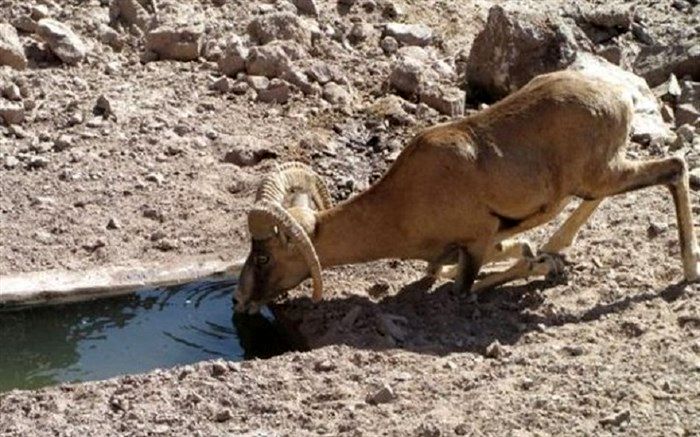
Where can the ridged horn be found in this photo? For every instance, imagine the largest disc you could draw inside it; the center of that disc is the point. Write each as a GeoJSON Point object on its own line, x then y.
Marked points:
{"type": "Point", "coordinates": [268, 215]}
{"type": "Point", "coordinates": [291, 177]}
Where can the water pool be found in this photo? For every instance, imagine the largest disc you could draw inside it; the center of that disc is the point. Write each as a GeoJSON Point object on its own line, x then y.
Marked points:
{"type": "Point", "coordinates": [155, 328]}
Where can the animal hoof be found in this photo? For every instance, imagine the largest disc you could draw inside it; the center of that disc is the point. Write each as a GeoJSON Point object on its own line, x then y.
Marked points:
{"type": "Point", "coordinates": [555, 266]}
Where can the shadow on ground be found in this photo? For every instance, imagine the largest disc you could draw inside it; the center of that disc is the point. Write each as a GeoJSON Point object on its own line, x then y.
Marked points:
{"type": "Point", "coordinates": [436, 320]}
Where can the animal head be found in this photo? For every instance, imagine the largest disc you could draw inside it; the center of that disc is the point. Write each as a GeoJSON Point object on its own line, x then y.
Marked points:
{"type": "Point", "coordinates": [281, 254]}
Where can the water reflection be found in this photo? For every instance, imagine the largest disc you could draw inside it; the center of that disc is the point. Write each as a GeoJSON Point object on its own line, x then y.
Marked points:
{"type": "Point", "coordinates": [135, 333]}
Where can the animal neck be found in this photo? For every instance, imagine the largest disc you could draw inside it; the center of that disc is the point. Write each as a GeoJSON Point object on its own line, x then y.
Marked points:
{"type": "Point", "coordinates": [359, 230]}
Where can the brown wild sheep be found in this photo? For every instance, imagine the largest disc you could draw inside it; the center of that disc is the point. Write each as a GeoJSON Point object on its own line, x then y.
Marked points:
{"type": "Point", "coordinates": [459, 191]}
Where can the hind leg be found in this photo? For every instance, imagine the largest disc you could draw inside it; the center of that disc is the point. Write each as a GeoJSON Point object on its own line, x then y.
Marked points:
{"type": "Point", "coordinates": [625, 176]}
{"type": "Point", "coordinates": [548, 263]}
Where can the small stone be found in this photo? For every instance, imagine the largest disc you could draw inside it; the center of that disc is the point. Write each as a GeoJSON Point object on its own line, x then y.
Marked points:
{"type": "Point", "coordinates": [63, 142]}
{"type": "Point", "coordinates": [110, 37]}
{"type": "Point", "coordinates": [224, 415]}
{"type": "Point", "coordinates": [233, 59]}
{"type": "Point", "coordinates": [573, 350]}
{"type": "Point", "coordinates": [410, 34]}
{"type": "Point", "coordinates": [38, 12]}
{"type": "Point", "coordinates": [687, 113]}
{"type": "Point", "coordinates": [258, 82]}
{"type": "Point", "coordinates": [447, 100]}
{"type": "Point", "coordinates": [218, 368]}
{"type": "Point", "coordinates": [182, 43]}
{"type": "Point", "coordinates": [153, 214]}
{"type": "Point", "coordinates": [686, 131]}
{"type": "Point", "coordinates": [113, 223]}
{"type": "Point", "coordinates": [616, 419]}
{"type": "Point", "coordinates": [279, 26]}
{"type": "Point", "coordinates": [389, 45]}
{"type": "Point", "coordinates": [36, 162]}
{"type": "Point", "coordinates": [360, 32]}
{"type": "Point", "coordinates": [11, 112]}
{"type": "Point", "coordinates": [308, 7]}
{"type": "Point", "coordinates": [277, 92]}
{"type": "Point", "coordinates": [155, 177]}
{"type": "Point", "coordinates": [62, 41]}
{"type": "Point", "coordinates": [393, 11]}
{"type": "Point", "coordinates": [695, 179]}
{"type": "Point", "coordinates": [222, 85]}
{"type": "Point", "coordinates": [336, 94]}
{"type": "Point", "coordinates": [382, 396]}
{"type": "Point", "coordinates": [495, 350]}
{"type": "Point", "coordinates": [324, 366]}
{"type": "Point", "coordinates": [10, 162]}
{"type": "Point", "coordinates": [240, 87]}
{"type": "Point", "coordinates": [12, 92]}
{"type": "Point", "coordinates": [131, 13]}
{"type": "Point", "coordinates": [272, 60]}
{"type": "Point", "coordinates": [18, 131]}
{"type": "Point", "coordinates": [247, 151]}
{"type": "Point", "coordinates": [104, 106]}
{"type": "Point", "coordinates": [166, 245]}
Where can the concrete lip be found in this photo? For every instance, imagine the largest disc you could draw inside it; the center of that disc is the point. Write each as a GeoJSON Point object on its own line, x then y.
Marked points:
{"type": "Point", "coordinates": [61, 286]}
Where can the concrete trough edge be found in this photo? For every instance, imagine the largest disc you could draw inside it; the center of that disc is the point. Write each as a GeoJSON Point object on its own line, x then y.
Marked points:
{"type": "Point", "coordinates": [62, 286]}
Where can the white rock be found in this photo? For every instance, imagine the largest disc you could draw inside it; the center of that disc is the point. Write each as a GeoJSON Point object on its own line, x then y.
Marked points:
{"type": "Point", "coordinates": [410, 34]}
{"type": "Point", "coordinates": [62, 41]}
{"type": "Point", "coordinates": [11, 50]}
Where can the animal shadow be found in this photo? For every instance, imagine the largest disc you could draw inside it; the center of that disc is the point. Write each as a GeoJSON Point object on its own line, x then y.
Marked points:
{"type": "Point", "coordinates": [430, 319]}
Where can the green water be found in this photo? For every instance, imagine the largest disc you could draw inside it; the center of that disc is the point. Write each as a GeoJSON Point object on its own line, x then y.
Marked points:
{"type": "Point", "coordinates": [155, 328]}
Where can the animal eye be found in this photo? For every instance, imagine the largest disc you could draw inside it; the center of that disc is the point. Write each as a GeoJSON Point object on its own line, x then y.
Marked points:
{"type": "Point", "coordinates": [261, 260]}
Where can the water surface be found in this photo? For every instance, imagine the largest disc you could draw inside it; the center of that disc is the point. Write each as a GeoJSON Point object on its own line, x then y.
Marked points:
{"type": "Point", "coordinates": [155, 328]}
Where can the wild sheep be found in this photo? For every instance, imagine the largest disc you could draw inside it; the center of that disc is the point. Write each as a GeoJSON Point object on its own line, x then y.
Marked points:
{"type": "Point", "coordinates": [460, 190]}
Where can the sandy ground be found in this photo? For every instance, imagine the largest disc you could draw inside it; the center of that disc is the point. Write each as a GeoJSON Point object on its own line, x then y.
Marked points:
{"type": "Point", "coordinates": [612, 348]}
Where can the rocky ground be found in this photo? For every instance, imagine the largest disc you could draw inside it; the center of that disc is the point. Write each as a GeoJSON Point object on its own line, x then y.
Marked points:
{"type": "Point", "coordinates": [137, 130]}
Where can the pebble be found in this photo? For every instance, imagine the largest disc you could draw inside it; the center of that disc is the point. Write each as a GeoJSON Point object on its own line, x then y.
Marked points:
{"type": "Point", "coordinates": [616, 419]}
{"type": "Point", "coordinates": [655, 229]}
{"type": "Point", "coordinates": [218, 368]}
{"type": "Point", "coordinates": [382, 396]}
{"type": "Point", "coordinates": [113, 223]}
{"type": "Point", "coordinates": [324, 366]}
{"type": "Point", "coordinates": [695, 179]}
{"type": "Point", "coordinates": [10, 162]}
{"type": "Point", "coordinates": [12, 92]}
{"type": "Point", "coordinates": [389, 45]}
{"type": "Point", "coordinates": [495, 350]}
{"type": "Point", "coordinates": [224, 415]}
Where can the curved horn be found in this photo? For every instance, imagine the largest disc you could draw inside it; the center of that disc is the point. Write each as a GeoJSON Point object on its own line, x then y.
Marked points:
{"type": "Point", "coordinates": [290, 177]}
{"type": "Point", "coordinates": [263, 220]}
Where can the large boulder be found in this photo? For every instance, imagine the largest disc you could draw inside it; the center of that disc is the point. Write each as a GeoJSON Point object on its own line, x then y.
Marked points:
{"type": "Point", "coordinates": [515, 47]}
{"type": "Point", "coordinates": [656, 63]}
{"type": "Point", "coordinates": [279, 26]}
{"type": "Point", "coordinates": [62, 41]}
{"type": "Point", "coordinates": [647, 123]}
{"type": "Point", "coordinates": [11, 50]}
{"type": "Point", "coordinates": [182, 43]}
